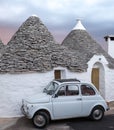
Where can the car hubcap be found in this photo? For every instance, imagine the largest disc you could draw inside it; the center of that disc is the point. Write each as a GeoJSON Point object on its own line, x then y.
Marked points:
{"type": "Point", "coordinates": [97, 114]}
{"type": "Point", "coordinates": [39, 120]}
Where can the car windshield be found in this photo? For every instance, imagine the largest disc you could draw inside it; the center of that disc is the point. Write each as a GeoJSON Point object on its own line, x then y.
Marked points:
{"type": "Point", "coordinates": [51, 88]}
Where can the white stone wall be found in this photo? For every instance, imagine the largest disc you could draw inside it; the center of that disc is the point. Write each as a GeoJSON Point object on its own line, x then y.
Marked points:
{"type": "Point", "coordinates": [68, 74]}
{"type": "Point", "coordinates": [109, 85]}
{"type": "Point", "coordinates": [15, 87]}
{"type": "Point", "coordinates": [99, 61]}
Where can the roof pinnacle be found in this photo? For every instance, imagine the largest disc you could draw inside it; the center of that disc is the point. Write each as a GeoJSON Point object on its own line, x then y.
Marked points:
{"type": "Point", "coordinates": [79, 25]}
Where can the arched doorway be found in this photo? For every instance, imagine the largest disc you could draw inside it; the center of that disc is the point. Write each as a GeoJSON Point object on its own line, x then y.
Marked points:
{"type": "Point", "coordinates": [95, 77]}
{"type": "Point", "coordinates": [98, 77]}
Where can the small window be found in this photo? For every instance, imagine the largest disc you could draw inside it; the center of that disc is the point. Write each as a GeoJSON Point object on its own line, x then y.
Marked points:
{"type": "Point", "coordinates": [57, 74]}
{"type": "Point", "coordinates": [62, 92]}
{"type": "Point", "coordinates": [87, 90]}
{"type": "Point", "coordinates": [72, 90]}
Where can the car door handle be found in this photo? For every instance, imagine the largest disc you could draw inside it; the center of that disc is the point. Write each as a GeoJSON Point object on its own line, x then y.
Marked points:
{"type": "Point", "coordinates": [79, 99]}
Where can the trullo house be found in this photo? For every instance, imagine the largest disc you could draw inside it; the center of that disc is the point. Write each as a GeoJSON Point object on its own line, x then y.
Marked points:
{"type": "Point", "coordinates": [32, 58]}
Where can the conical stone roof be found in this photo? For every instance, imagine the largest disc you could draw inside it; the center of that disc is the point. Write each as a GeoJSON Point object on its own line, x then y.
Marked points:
{"type": "Point", "coordinates": [80, 40]}
{"type": "Point", "coordinates": [33, 48]}
{"type": "Point", "coordinates": [2, 46]}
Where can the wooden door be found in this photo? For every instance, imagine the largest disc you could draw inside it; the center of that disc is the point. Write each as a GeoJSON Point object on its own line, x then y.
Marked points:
{"type": "Point", "coordinates": [57, 74]}
{"type": "Point", "coordinates": [95, 77]}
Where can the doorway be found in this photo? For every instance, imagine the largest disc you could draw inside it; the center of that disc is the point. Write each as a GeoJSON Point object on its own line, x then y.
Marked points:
{"type": "Point", "coordinates": [95, 77]}
{"type": "Point", "coordinates": [98, 77]}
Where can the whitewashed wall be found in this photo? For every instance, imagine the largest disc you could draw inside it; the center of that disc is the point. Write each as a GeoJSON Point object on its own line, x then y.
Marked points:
{"type": "Point", "coordinates": [109, 84]}
{"type": "Point", "coordinates": [15, 87]}
{"type": "Point", "coordinates": [99, 61]}
{"type": "Point", "coordinates": [106, 74]}
{"type": "Point", "coordinates": [68, 74]}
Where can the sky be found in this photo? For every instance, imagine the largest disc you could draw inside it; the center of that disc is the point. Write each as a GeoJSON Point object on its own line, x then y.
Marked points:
{"type": "Point", "coordinates": [59, 16]}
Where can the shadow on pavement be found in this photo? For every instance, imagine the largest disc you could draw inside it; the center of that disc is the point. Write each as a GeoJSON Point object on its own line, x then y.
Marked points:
{"type": "Point", "coordinates": [107, 123]}
{"type": "Point", "coordinates": [22, 124]}
{"type": "Point", "coordinates": [26, 124]}
{"type": "Point", "coordinates": [75, 124]}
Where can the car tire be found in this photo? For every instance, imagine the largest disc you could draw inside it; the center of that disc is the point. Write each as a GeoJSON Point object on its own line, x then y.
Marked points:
{"type": "Point", "coordinates": [97, 113]}
{"type": "Point", "coordinates": [40, 119]}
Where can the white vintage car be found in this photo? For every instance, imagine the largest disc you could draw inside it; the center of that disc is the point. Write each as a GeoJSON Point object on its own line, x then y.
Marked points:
{"type": "Point", "coordinates": [62, 99]}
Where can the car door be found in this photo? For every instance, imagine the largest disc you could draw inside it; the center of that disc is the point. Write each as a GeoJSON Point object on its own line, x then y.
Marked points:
{"type": "Point", "coordinates": [89, 98]}
{"type": "Point", "coordinates": [68, 103]}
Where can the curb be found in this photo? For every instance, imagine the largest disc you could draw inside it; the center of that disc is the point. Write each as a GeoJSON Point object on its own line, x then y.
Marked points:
{"type": "Point", "coordinates": [60, 128]}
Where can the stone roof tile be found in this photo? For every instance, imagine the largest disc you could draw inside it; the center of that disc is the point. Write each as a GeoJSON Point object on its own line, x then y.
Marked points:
{"type": "Point", "coordinates": [80, 40]}
{"type": "Point", "coordinates": [33, 49]}
{"type": "Point", "coordinates": [2, 46]}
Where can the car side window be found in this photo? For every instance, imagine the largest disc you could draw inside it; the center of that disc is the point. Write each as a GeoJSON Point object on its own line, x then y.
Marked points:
{"type": "Point", "coordinates": [61, 91]}
{"type": "Point", "coordinates": [72, 90]}
{"type": "Point", "coordinates": [87, 90]}
{"type": "Point", "coordinates": [68, 90]}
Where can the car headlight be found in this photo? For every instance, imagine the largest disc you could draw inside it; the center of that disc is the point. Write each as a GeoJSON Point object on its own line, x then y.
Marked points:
{"type": "Point", "coordinates": [28, 107]}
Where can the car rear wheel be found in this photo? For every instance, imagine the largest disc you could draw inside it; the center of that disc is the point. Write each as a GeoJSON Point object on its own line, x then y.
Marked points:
{"type": "Point", "coordinates": [41, 119]}
{"type": "Point", "coordinates": [97, 113]}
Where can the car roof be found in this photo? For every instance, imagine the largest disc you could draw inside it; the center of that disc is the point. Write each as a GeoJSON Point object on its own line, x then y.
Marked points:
{"type": "Point", "coordinates": [60, 81]}
{"type": "Point", "coordinates": [75, 80]}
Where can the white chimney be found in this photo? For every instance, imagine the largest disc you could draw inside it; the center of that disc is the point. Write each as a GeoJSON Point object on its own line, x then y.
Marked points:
{"type": "Point", "coordinates": [110, 41]}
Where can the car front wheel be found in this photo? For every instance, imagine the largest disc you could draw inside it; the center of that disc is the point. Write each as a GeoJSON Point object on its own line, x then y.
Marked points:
{"type": "Point", "coordinates": [97, 113]}
{"type": "Point", "coordinates": [40, 119]}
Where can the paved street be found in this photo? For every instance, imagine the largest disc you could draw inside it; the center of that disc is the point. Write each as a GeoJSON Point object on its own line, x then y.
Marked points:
{"type": "Point", "coordinates": [71, 124]}
{"type": "Point", "coordinates": [81, 124]}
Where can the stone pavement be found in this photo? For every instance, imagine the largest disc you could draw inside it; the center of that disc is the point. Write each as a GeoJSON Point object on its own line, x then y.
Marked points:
{"type": "Point", "coordinates": [111, 111]}
{"type": "Point", "coordinates": [7, 122]}
{"type": "Point", "coordinates": [26, 124]}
